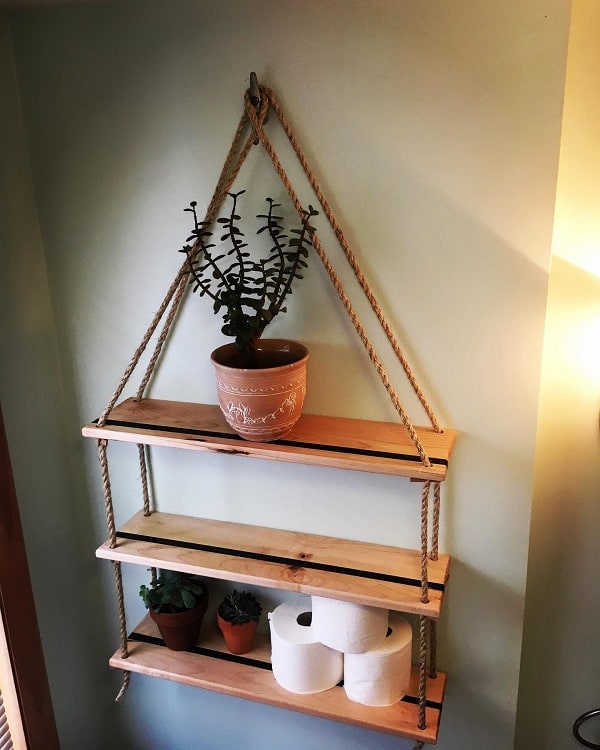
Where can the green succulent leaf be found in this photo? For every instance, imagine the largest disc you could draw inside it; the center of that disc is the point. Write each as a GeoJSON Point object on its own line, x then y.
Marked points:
{"type": "Point", "coordinates": [238, 286]}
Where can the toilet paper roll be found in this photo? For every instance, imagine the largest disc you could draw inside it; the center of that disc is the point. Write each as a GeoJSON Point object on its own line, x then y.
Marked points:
{"type": "Point", "coordinates": [348, 627]}
{"type": "Point", "coordinates": [301, 663]}
{"type": "Point", "coordinates": [381, 676]}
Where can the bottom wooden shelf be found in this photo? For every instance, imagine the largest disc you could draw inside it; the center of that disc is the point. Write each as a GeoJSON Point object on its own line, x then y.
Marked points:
{"type": "Point", "coordinates": [210, 666]}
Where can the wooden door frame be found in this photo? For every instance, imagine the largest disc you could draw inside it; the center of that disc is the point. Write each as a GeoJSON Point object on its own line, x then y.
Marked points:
{"type": "Point", "coordinates": [17, 613]}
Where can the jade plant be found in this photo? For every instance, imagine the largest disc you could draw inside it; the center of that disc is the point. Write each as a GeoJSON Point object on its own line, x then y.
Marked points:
{"type": "Point", "coordinates": [173, 592]}
{"type": "Point", "coordinates": [248, 291]}
{"type": "Point", "coordinates": [240, 607]}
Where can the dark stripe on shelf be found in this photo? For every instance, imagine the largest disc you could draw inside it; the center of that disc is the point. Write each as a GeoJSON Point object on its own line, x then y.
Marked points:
{"type": "Point", "coordinates": [290, 562]}
{"type": "Point", "coordinates": [141, 638]}
{"type": "Point", "coordinates": [258, 663]}
{"type": "Point", "coordinates": [415, 701]}
{"type": "Point", "coordinates": [292, 443]}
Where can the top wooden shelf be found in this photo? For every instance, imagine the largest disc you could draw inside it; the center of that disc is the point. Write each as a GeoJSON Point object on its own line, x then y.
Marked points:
{"type": "Point", "coordinates": [338, 442]}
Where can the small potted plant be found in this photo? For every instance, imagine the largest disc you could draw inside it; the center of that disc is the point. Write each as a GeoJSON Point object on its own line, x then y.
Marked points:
{"type": "Point", "coordinates": [261, 383]}
{"type": "Point", "coordinates": [237, 617]}
{"type": "Point", "coordinates": [177, 603]}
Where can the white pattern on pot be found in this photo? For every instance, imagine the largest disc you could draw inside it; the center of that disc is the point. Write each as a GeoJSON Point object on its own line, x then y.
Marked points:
{"type": "Point", "coordinates": [241, 414]}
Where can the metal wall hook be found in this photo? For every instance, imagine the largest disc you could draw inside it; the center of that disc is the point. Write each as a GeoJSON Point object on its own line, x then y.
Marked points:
{"type": "Point", "coordinates": [256, 99]}
{"type": "Point", "coordinates": [254, 91]}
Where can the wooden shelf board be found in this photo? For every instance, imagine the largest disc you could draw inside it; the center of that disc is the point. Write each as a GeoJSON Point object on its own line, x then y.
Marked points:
{"type": "Point", "coordinates": [377, 575]}
{"type": "Point", "coordinates": [338, 442]}
{"type": "Point", "coordinates": [250, 677]}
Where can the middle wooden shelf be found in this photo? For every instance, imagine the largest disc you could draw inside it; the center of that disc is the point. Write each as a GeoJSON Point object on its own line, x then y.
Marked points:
{"type": "Point", "coordinates": [366, 573]}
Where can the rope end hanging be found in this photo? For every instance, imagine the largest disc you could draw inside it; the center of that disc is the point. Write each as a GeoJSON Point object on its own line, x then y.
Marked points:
{"type": "Point", "coordinates": [124, 686]}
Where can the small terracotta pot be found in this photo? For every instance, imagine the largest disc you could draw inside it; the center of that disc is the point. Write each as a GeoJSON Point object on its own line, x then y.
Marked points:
{"type": "Point", "coordinates": [238, 638]}
{"type": "Point", "coordinates": [262, 402]}
{"type": "Point", "coordinates": [180, 630]}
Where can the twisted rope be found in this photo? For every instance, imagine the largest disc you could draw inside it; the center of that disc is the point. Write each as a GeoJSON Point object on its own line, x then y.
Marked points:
{"type": "Point", "coordinates": [231, 168]}
{"type": "Point", "coordinates": [432, 649]}
{"type": "Point", "coordinates": [338, 286]}
{"type": "Point", "coordinates": [121, 601]}
{"type": "Point", "coordinates": [435, 532]}
{"type": "Point", "coordinates": [110, 519]}
{"type": "Point", "coordinates": [144, 477]}
{"type": "Point", "coordinates": [174, 296]}
{"type": "Point", "coordinates": [124, 686]}
{"type": "Point", "coordinates": [424, 520]}
{"type": "Point", "coordinates": [352, 260]}
{"type": "Point", "coordinates": [108, 503]}
{"type": "Point", "coordinates": [122, 627]}
{"type": "Point", "coordinates": [422, 671]}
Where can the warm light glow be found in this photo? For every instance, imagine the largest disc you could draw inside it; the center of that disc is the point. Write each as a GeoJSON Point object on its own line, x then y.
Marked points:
{"type": "Point", "coordinates": [586, 348]}
{"type": "Point", "coordinates": [582, 251]}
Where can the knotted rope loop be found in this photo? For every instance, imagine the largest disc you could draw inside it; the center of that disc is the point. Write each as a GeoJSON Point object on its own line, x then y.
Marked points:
{"type": "Point", "coordinates": [257, 116]}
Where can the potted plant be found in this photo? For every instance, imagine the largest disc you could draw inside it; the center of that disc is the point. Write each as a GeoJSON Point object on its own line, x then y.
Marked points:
{"type": "Point", "coordinates": [261, 383]}
{"type": "Point", "coordinates": [177, 603]}
{"type": "Point", "coordinates": [237, 617]}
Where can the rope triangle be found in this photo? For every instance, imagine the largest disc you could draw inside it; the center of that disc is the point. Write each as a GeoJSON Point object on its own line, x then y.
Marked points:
{"type": "Point", "coordinates": [251, 131]}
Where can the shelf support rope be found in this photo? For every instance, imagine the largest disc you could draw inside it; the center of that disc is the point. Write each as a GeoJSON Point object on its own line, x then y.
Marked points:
{"type": "Point", "coordinates": [351, 257]}
{"type": "Point", "coordinates": [174, 295]}
{"type": "Point", "coordinates": [256, 117]}
{"type": "Point", "coordinates": [112, 535]}
{"type": "Point", "coordinates": [144, 478]}
{"type": "Point", "coordinates": [268, 96]}
{"type": "Point", "coordinates": [108, 503]}
{"type": "Point", "coordinates": [422, 671]}
{"type": "Point", "coordinates": [435, 532]}
{"type": "Point", "coordinates": [432, 649]}
{"type": "Point", "coordinates": [424, 534]}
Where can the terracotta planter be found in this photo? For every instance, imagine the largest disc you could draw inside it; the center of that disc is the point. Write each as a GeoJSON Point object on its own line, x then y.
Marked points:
{"type": "Point", "coordinates": [180, 631]}
{"type": "Point", "coordinates": [263, 402]}
{"type": "Point", "coordinates": [238, 638]}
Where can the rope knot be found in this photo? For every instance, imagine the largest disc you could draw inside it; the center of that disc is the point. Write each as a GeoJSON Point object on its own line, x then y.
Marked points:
{"type": "Point", "coordinates": [258, 115]}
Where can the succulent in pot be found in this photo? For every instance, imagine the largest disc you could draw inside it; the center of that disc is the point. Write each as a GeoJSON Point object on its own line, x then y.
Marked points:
{"type": "Point", "coordinates": [250, 292]}
{"type": "Point", "coordinates": [237, 617]}
{"type": "Point", "coordinates": [177, 603]}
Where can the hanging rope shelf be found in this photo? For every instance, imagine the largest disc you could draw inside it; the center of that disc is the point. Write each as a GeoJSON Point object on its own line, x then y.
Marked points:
{"type": "Point", "coordinates": [419, 453]}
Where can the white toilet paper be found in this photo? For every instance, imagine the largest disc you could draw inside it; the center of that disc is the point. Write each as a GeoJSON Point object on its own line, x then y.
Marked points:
{"type": "Point", "coordinates": [301, 664]}
{"type": "Point", "coordinates": [348, 627]}
{"type": "Point", "coordinates": [381, 676]}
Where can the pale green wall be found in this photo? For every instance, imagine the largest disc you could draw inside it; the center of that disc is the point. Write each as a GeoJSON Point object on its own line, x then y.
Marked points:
{"type": "Point", "coordinates": [434, 128]}
{"type": "Point", "coordinates": [44, 447]}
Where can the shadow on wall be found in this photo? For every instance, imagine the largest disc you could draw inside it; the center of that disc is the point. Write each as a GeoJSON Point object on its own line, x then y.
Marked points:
{"type": "Point", "coordinates": [477, 662]}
